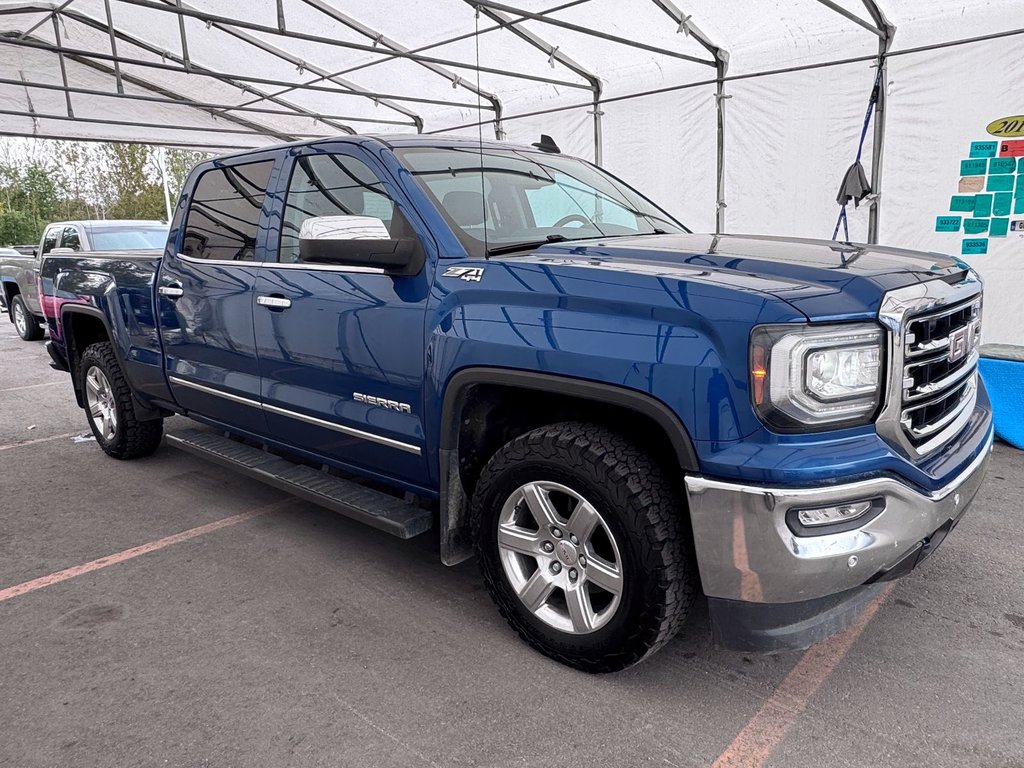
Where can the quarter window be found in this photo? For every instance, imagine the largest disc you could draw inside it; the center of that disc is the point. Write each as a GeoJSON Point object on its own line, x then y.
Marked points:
{"type": "Point", "coordinates": [50, 239]}
{"type": "Point", "coordinates": [334, 185]}
{"type": "Point", "coordinates": [71, 239]}
{"type": "Point", "coordinates": [223, 217]}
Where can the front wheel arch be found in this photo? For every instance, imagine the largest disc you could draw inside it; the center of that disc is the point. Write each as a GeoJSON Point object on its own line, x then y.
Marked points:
{"type": "Point", "coordinates": [544, 398]}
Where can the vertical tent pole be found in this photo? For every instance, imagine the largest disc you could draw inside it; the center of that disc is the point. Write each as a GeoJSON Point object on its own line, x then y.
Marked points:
{"type": "Point", "coordinates": [161, 155]}
{"type": "Point", "coordinates": [722, 66]}
{"type": "Point", "coordinates": [878, 141]}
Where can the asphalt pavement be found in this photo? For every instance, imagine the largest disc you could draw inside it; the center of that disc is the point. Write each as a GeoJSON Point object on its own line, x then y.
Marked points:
{"type": "Point", "coordinates": [275, 633]}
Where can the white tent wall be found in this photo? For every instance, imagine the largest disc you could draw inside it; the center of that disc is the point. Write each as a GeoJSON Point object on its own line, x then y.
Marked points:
{"type": "Point", "coordinates": [664, 145]}
{"type": "Point", "coordinates": [937, 109]}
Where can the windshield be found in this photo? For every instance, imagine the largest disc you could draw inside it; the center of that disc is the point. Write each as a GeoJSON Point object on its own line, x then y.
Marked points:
{"type": "Point", "coordinates": [529, 198]}
{"type": "Point", "coordinates": [128, 238]}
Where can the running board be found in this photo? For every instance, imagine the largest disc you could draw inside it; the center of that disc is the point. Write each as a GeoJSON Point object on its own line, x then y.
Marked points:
{"type": "Point", "coordinates": [376, 509]}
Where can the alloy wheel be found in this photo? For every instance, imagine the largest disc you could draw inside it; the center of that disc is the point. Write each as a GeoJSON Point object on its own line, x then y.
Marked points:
{"type": "Point", "coordinates": [560, 557]}
{"type": "Point", "coordinates": [99, 397]}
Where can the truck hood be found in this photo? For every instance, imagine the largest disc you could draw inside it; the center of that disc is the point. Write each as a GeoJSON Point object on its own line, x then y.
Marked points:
{"type": "Point", "coordinates": [822, 279]}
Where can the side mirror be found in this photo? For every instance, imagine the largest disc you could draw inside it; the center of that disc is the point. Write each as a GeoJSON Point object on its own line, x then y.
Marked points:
{"type": "Point", "coordinates": [357, 241]}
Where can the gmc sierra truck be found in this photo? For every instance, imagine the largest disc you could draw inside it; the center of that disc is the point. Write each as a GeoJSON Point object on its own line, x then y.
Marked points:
{"type": "Point", "coordinates": [613, 414]}
{"type": "Point", "coordinates": [19, 273]}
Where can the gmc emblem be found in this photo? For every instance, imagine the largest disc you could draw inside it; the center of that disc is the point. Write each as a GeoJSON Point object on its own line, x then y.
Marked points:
{"type": "Point", "coordinates": [961, 341]}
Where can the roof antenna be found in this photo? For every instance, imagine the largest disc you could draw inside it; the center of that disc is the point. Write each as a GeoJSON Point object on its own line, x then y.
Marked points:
{"type": "Point", "coordinates": [547, 144]}
{"type": "Point", "coordinates": [480, 132]}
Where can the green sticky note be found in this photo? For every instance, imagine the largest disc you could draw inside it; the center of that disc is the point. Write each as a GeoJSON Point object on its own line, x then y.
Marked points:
{"type": "Point", "coordinates": [962, 203]}
{"type": "Point", "coordinates": [1018, 205]}
{"type": "Point", "coordinates": [974, 246]}
{"type": "Point", "coordinates": [984, 148]}
{"type": "Point", "coordinates": [973, 167]}
{"type": "Point", "coordinates": [975, 226]}
{"type": "Point", "coordinates": [1001, 203]}
{"type": "Point", "coordinates": [999, 183]}
{"type": "Point", "coordinates": [947, 223]}
{"type": "Point", "coordinates": [983, 205]}
{"type": "Point", "coordinates": [1002, 165]}
{"type": "Point", "coordinates": [998, 227]}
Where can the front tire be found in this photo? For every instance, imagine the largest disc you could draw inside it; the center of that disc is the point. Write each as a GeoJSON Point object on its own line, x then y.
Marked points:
{"type": "Point", "coordinates": [25, 322]}
{"type": "Point", "coordinates": [582, 545]}
{"type": "Point", "coordinates": [109, 407]}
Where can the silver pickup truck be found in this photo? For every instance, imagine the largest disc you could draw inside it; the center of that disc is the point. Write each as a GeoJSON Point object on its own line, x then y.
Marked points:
{"type": "Point", "coordinates": [19, 273]}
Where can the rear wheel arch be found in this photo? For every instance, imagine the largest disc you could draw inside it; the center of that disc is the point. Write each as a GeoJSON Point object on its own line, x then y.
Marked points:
{"type": "Point", "coordinates": [484, 408]}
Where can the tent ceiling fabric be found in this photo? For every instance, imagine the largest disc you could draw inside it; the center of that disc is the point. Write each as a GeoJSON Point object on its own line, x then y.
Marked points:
{"type": "Point", "coordinates": [209, 73]}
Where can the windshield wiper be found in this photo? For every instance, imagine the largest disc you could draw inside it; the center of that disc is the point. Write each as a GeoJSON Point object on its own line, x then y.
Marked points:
{"type": "Point", "coordinates": [513, 247]}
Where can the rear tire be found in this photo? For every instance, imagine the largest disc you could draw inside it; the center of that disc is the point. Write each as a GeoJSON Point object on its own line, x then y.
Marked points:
{"type": "Point", "coordinates": [110, 409]}
{"type": "Point", "coordinates": [583, 546]}
{"type": "Point", "coordinates": [24, 321]}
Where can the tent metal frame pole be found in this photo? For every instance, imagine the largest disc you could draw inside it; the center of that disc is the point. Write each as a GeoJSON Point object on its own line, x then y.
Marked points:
{"type": "Point", "coordinates": [50, 13]}
{"type": "Point", "coordinates": [877, 29]}
{"type": "Point", "coordinates": [380, 38]}
{"type": "Point", "coordinates": [437, 44]}
{"type": "Point", "coordinates": [85, 59]}
{"type": "Point", "coordinates": [721, 56]}
{"type": "Point", "coordinates": [282, 54]}
{"type": "Point", "coordinates": [553, 54]}
{"type": "Point", "coordinates": [113, 46]}
{"type": "Point", "coordinates": [170, 6]}
{"type": "Point", "coordinates": [170, 127]}
{"type": "Point", "coordinates": [63, 67]}
{"type": "Point", "coordinates": [146, 46]}
{"type": "Point", "coordinates": [151, 142]}
{"type": "Point", "coordinates": [185, 61]}
{"type": "Point", "coordinates": [583, 31]}
{"type": "Point", "coordinates": [753, 76]}
{"type": "Point", "coordinates": [878, 140]}
{"type": "Point", "coordinates": [233, 79]}
{"type": "Point", "coordinates": [213, 107]}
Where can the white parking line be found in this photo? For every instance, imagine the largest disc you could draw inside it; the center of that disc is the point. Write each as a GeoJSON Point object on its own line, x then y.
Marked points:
{"type": "Point", "coordinates": [31, 386]}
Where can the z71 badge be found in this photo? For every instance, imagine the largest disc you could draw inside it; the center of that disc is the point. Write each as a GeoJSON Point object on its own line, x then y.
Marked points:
{"type": "Point", "coordinates": [469, 274]}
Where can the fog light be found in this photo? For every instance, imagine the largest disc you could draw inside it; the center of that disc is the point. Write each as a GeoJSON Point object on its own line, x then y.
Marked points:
{"type": "Point", "coordinates": [840, 513]}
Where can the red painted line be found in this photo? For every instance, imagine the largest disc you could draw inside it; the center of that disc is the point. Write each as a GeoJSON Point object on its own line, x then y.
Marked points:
{"type": "Point", "coordinates": [38, 440]}
{"type": "Point", "coordinates": [766, 730]}
{"type": "Point", "coordinates": [128, 554]}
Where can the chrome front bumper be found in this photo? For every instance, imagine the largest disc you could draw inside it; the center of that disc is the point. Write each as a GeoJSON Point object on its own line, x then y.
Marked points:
{"type": "Point", "coordinates": [747, 552]}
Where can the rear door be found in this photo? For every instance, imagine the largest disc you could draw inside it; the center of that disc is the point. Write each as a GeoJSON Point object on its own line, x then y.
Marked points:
{"type": "Point", "coordinates": [205, 292]}
{"type": "Point", "coordinates": [343, 362]}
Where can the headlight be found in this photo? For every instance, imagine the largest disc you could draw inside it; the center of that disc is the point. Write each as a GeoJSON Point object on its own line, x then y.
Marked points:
{"type": "Point", "coordinates": [818, 376]}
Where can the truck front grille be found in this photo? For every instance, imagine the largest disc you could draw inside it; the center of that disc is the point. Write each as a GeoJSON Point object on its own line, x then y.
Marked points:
{"type": "Point", "coordinates": [940, 365]}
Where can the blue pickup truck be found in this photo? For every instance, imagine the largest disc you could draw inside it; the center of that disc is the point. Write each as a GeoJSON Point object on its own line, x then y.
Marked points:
{"type": "Point", "coordinates": [515, 348]}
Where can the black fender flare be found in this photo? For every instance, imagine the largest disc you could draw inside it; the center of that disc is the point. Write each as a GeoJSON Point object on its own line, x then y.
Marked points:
{"type": "Point", "coordinates": [455, 543]}
{"type": "Point", "coordinates": [143, 411]}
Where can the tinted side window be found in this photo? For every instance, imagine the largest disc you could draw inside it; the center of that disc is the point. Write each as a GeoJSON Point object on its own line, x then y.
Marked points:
{"type": "Point", "coordinates": [224, 214]}
{"type": "Point", "coordinates": [71, 239]}
{"type": "Point", "coordinates": [50, 239]}
{"type": "Point", "coordinates": [334, 185]}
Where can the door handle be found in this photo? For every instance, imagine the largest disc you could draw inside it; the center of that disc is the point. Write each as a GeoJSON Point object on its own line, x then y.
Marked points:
{"type": "Point", "coordinates": [172, 291]}
{"type": "Point", "coordinates": [274, 302]}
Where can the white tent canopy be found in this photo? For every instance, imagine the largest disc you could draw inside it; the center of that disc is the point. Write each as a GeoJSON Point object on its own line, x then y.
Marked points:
{"type": "Point", "coordinates": [736, 116]}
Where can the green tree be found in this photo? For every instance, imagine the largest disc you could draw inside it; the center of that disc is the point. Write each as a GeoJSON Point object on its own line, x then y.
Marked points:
{"type": "Point", "coordinates": [16, 228]}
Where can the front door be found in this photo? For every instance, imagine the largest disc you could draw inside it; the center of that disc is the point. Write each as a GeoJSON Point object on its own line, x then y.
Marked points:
{"type": "Point", "coordinates": [342, 348]}
{"type": "Point", "coordinates": [205, 295]}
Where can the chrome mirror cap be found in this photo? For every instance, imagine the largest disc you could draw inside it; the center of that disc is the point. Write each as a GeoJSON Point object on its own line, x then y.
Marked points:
{"type": "Point", "coordinates": [343, 228]}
